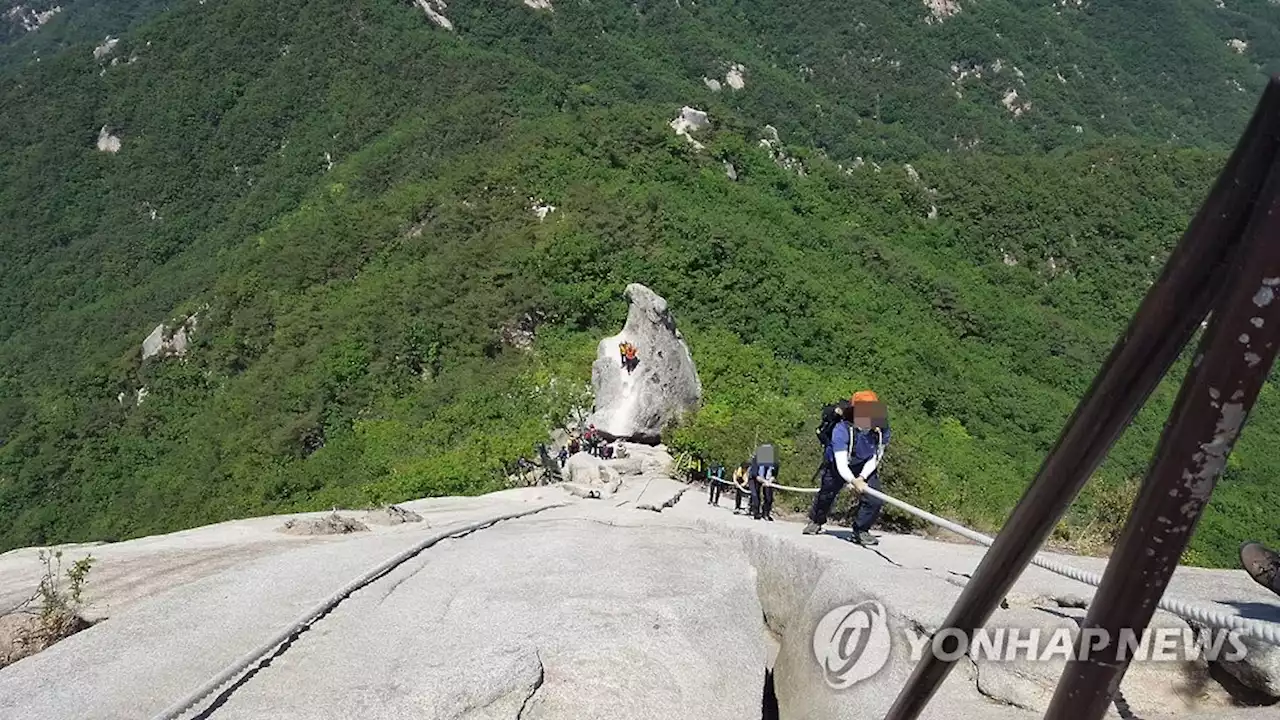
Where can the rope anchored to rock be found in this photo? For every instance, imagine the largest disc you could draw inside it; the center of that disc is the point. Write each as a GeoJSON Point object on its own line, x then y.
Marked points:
{"type": "Point", "coordinates": [1258, 630]}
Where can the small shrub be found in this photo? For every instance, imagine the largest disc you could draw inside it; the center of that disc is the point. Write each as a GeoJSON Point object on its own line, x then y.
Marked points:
{"type": "Point", "coordinates": [51, 614]}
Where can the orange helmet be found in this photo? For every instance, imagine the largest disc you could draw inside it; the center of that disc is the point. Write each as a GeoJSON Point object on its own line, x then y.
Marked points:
{"type": "Point", "coordinates": [864, 396]}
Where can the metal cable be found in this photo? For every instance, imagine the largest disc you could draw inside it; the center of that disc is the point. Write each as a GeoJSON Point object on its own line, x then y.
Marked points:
{"type": "Point", "coordinates": [1267, 632]}
{"type": "Point", "coordinates": [180, 708]}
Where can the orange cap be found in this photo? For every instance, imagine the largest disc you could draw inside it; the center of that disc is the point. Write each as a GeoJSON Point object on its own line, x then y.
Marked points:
{"type": "Point", "coordinates": [864, 396]}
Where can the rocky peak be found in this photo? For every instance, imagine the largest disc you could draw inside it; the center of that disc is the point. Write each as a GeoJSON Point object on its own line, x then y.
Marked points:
{"type": "Point", "coordinates": [662, 385]}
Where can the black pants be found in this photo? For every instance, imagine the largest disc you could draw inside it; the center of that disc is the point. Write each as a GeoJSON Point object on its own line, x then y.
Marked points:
{"type": "Point", "coordinates": [868, 507]}
{"type": "Point", "coordinates": [761, 499]}
{"type": "Point", "coordinates": [737, 498]}
{"type": "Point", "coordinates": [826, 497]}
{"type": "Point", "coordinates": [761, 494]}
{"type": "Point", "coordinates": [713, 488]}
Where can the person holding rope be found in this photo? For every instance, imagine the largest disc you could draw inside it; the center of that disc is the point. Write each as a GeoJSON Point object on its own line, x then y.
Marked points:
{"type": "Point", "coordinates": [714, 480]}
{"type": "Point", "coordinates": [764, 469]}
{"type": "Point", "coordinates": [852, 457]}
{"type": "Point", "coordinates": [740, 476]}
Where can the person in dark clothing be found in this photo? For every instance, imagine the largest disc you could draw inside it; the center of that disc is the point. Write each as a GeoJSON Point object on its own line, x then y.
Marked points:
{"type": "Point", "coordinates": [853, 458]}
{"type": "Point", "coordinates": [714, 484]}
{"type": "Point", "coordinates": [764, 468]}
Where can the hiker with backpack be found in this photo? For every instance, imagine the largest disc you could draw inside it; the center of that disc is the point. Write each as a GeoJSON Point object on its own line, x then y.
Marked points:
{"type": "Point", "coordinates": [854, 436]}
{"type": "Point", "coordinates": [764, 468]}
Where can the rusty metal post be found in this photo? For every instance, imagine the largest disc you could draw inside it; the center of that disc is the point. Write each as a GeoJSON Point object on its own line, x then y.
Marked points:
{"type": "Point", "coordinates": [1164, 323]}
{"type": "Point", "coordinates": [1226, 376]}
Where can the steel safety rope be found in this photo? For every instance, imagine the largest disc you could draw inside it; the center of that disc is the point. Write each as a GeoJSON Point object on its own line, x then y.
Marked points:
{"type": "Point", "coordinates": [1259, 630]}
{"type": "Point", "coordinates": [180, 708]}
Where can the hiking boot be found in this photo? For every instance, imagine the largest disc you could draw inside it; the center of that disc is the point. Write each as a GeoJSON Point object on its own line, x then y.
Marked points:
{"type": "Point", "coordinates": [864, 538]}
{"type": "Point", "coordinates": [769, 518]}
{"type": "Point", "coordinates": [1263, 565]}
{"type": "Point", "coordinates": [812, 529]}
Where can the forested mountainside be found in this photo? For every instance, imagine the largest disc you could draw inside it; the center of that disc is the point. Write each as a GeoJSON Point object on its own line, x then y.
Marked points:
{"type": "Point", "coordinates": [350, 212]}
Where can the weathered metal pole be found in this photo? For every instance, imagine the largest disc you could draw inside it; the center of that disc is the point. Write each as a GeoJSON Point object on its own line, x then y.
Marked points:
{"type": "Point", "coordinates": [1226, 376]}
{"type": "Point", "coordinates": [1164, 323]}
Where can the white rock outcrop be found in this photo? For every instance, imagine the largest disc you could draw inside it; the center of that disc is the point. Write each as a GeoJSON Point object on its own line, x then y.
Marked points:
{"type": "Point", "coordinates": [712, 84]}
{"type": "Point", "coordinates": [107, 47]}
{"type": "Point", "coordinates": [588, 476]}
{"type": "Point", "coordinates": [1237, 45]}
{"type": "Point", "coordinates": [435, 12]}
{"type": "Point", "coordinates": [108, 142]}
{"type": "Point", "coordinates": [1015, 105]}
{"type": "Point", "coordinates": [30, 19]}
{"type": "Point", "coordinates": [690, 120]}
{"type": "Point", "coordinates": [734, 77]}
{"type": "Point", "coordinates": [539, 4]}
{"type": "Point", "coordinates": [664, 384]}
{"type": "Point", "coordinates": [540, 208]}
{"type": "Point", "coordinates": [773, 144]}
{"type": "Point", "coordinates": [169, 342]}
{"type": "Point", "coordinates": [940, 10]}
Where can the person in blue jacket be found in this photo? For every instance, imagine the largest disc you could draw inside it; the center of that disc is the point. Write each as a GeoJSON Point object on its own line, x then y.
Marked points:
{"type": "Point", "coordinates": [852, 457]}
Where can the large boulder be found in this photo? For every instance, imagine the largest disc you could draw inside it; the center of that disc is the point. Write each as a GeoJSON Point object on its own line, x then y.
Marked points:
{"type": "Point", "coordinates": [585, 469]}
{"type": "Point", "coordinates": [663, 385]}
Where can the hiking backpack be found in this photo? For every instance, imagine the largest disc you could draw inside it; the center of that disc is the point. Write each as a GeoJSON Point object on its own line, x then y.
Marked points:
{"type": "Point", "coordinates": [831, 416]}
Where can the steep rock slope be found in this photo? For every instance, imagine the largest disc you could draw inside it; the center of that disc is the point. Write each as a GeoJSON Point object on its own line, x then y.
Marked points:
{"type": "Point", "coordinates": [573, 609]}
{"type": "Point", "coordinates": [363, 198]}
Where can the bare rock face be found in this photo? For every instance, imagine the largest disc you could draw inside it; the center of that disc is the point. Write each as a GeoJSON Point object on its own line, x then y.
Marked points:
{"type": "Point", "coordinates": [165, 341]}
{"type": "Point", "coordinates": [1259, 670]}
{"type": "Point", "coordinates": [334, 524]}
{"type": "Point", "coordinates": [690, 120]}
{"type": "Point", "coordinates": [589, 476]}
{"type": "Point", "coordinates": [107, 142]}
{"type": "Point", "coordinates": [637, 404]}
{"type": "Point", "coordinates": [391, 515]}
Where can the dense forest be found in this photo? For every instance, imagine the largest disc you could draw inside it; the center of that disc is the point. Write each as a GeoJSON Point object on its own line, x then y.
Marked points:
{"type": "Point", "coordinates": [961, 211]}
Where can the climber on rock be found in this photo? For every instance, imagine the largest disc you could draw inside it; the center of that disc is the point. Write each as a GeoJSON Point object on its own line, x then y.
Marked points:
{"type": "Point", "coordinates": [622, 353]}
{"type": "Point", "coordinates": [852, 457]}
{"type": "Point", "coordinates": [630, 361]}
{"type": "Point", "coordinates": [764, 469]}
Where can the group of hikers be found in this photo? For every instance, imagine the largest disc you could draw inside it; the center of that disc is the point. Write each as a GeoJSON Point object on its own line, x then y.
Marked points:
{"type": "Point", "coordinates": [853, 435]}
{"type": "Point", "coordinates": [751, 479]}
{"type": "Point", "coordinates": [627, 354]}
{"type": "Point", "coordinates": [592, 442]}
